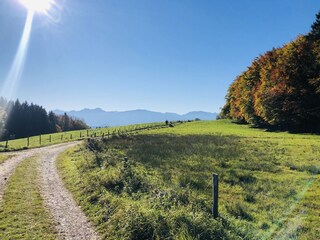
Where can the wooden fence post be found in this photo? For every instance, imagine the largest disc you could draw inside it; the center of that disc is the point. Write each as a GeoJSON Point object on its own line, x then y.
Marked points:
{"type": "Point", "coordinates": [215, 195]}
{"type": "Point", "coordinates": [49, 138]}
{"type": "Point", "coordinates": [40, 139]}
{"type": "Point", "coordinates": [28, 142]}
{"type": "Point", "coordinates": [7, 143]}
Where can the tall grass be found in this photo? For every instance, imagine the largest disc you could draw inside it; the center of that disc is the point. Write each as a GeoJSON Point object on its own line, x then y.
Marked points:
{"type": "Point", "coordinates": [163, 189]}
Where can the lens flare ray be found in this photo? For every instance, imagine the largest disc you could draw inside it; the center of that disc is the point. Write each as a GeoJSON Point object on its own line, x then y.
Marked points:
{"type": "Point", "coordinates": [10, 85]}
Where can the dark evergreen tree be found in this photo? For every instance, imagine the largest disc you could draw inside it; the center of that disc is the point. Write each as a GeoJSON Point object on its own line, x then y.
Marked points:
{"type": "Point", "coordinates": [66, 123]}
{"type": "Point", "coordinates": [315, 29]}
{"type": "Point", "coordinates": [52, 122]}
{"type": "Point", "coordinates": [26, 120]}
{"type": "Point", "coordinates": [12, 122]}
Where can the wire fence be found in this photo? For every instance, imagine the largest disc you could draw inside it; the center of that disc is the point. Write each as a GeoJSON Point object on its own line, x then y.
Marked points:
{"type": "Point", "coordinates": [62, 137]}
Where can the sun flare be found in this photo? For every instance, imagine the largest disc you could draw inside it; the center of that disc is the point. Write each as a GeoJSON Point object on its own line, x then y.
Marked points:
{"type": "Point", "coordinates": [37, 5]}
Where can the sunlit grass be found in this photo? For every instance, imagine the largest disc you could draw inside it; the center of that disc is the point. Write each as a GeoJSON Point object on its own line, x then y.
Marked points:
{"type": "Point", "coordinates": [22, 213]}
{"type": "Point", "coordinates": [224, 127]}
{"type": "Point", "coordinates": [62, 137]}
{"type": "Point", "coordinates": [268, 181]}
{"type": "Point", "coordinates": [3, 158]}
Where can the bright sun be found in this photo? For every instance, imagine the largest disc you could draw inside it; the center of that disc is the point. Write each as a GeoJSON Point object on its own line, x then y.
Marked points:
{"type": "Point", "coordinates": [37, 5]}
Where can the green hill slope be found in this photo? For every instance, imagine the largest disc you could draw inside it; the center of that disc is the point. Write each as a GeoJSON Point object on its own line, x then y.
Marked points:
{"type": "Point", "coordinates": [268, 183]}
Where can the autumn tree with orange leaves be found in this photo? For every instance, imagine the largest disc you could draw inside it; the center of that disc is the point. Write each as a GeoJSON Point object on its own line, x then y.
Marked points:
{"type": "Point", "coordinates": [281, 89]}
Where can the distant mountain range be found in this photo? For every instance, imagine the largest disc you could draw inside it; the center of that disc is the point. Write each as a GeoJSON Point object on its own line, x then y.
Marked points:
{"type": "Point", "coordinates": [99, 118]}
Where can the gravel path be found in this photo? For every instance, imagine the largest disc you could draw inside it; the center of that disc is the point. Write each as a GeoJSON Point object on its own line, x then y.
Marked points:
{"type": "Point", "coordinates": [71, 222]}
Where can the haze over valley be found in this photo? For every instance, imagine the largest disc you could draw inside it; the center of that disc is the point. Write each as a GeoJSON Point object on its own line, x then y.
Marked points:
{"type": "Point", "coordinates": [99, 118]}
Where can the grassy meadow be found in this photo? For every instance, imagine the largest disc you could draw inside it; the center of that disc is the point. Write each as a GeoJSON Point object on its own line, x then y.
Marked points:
{"type": "Point", "coordinates": [70, 136]}
{"type": "Point", "coordinates": [269, 183]}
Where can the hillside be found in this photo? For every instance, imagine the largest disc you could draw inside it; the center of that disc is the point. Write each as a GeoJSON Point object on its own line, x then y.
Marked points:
{"type": "Point", "coordinates": [100, 118]}
{"type": "Point", "coordinates": [269, 183]}
{"type": "Point", "coordinates": [281, 89]}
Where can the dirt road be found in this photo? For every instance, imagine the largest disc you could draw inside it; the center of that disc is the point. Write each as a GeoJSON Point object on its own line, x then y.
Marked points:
{"type": "Point", "coordinates": [70, 222]}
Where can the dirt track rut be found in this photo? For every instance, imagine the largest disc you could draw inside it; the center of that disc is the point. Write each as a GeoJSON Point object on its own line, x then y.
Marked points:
{"type": "Point", "coordinates": [71, 222]}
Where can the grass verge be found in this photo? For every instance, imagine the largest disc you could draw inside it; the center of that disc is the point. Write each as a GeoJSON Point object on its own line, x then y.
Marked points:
{"type": "Point", "coordinates": [22, 214]}
{"type": "Point", "coordinates": [164, 190]}
{"type": "Point", "coordinates": [3, 158]}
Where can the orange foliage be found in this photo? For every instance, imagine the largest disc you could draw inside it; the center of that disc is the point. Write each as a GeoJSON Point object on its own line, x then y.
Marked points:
{"type": "Point", "coordinates": [281, 88]}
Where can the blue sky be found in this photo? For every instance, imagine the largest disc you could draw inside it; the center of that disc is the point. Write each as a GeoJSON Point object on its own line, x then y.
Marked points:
{"type": "Point", "coordinates": [162, 55]}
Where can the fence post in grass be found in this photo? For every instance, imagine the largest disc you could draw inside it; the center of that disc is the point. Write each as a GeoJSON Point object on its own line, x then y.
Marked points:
{"type": "Point", "coordinates": [61, 137]}
{"type": "Point", "coordinates": [80, 135]}
{"type": "Point", "coordinates": [49, 138]}
{"type": "Point", "coordinates": [71, 136]}
{"type": "Point", "coordinates": [28, 141]}
{"type": "Point", "coordinates": [108, 134]}
{"type": "Point", "coordinates": [7, 143]}
{"type": "Point", "coordinates": [40, 139]}
{"type": "Point", "coordinates": [215, 195]}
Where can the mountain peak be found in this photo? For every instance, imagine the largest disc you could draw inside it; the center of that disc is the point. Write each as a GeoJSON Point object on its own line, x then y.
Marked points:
{"type": "Point", "coordinates": [97, 117]}
{"type": "Point", "coordinates": [90, 110]}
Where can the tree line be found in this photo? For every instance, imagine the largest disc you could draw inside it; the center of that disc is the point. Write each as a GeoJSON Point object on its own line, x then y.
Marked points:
{"type": "Point", "coordinates": [24, 120]}
{"type": "Point", "coordinates": [281, 89]}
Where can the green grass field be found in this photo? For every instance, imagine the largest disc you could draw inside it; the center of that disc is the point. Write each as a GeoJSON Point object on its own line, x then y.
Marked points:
{"type": "Point", "coordinates": [70, 136]}
{"type": "Point", "coordinates": [269, 183]}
